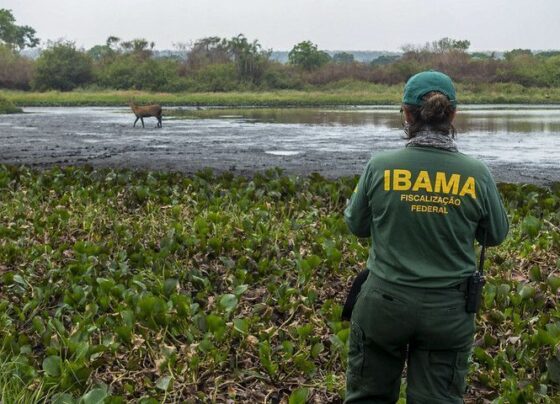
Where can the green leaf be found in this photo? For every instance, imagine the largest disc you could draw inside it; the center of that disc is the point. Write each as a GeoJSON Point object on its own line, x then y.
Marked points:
{"type": "Point", "coordinates": [228, 302]}
{"type": "Point", "coordinates": [52, 366]}
{"type": "Point", "coordinates": [554, 283]}
{"type": "Point", "coordinates": [95, 396]}
{"type": "Point", "coordinates": [240, 289]}
{"type": "Point", "coordinates": [241, 325]}
{"type": "Point", "coordinates": [19, 279]}
{"type": "Point", "coordinates": [503, 290]}
{"type": "Point", "coordinates": [531, 226]}
{"type": "Point", "coordinates": [164, 383]}
{"type": "Point", "coordinates": [535, 273]}
{"type": "Point", "coordinates": [216, 324]}
{"type": "Point", "coordinates": [343, 334]}
{"type": "Point", "coordinates": [63, 399]}
{"type": "Point", "coordinates": [527, 292]}
{"type": "Point", "coordinates": [299, 396]}
{"type": "Point", "coordinates": [489, 294]}
{"type": "Point", "coordinates": [170, 286]}
{"type": "Point", "coordinates": [288, 347]}
{"type": "Point", "coordinates": [317, 349]}
{"type": "Point", "coordinates": [265, 355]}
{"type": "Point", "coordinates": [305, 331]}
{"type": "Point", "coordinates": [553, 367]}
{"type": "Point", "coordinates": [38, 325]}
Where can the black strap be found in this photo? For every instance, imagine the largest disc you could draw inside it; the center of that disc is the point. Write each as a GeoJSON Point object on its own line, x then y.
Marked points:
{"type": "Point", "coordinates": [353, 294]}
{"type": "Point", "coordinates": [482, 253]}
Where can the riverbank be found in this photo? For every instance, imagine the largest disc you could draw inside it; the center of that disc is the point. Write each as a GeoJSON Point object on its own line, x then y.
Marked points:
{"type": "Point", "coordinates": [352, 93]}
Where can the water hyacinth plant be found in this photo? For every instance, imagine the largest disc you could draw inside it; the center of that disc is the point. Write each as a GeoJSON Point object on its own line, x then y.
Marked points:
{"type": "Point", "coordinates": [120, 286]}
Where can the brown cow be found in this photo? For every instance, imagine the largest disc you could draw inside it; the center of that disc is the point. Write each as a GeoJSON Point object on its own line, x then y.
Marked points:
{"type": "Point", "coordinates": [145, 111]}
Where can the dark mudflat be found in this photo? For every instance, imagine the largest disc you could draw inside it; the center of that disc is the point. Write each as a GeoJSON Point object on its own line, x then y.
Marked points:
{"type": "Point", "coordinates": [104, 137]}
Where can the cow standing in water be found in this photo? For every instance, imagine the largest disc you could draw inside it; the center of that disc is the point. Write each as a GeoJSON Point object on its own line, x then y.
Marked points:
{"type": "Point", "coordinates": [146, 111]}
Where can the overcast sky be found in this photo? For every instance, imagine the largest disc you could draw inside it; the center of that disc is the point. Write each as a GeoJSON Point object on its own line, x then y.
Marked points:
{"type": "Point", "coordinates": [279, 24]}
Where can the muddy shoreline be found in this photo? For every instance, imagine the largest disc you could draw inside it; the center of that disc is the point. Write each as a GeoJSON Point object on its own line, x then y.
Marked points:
{"type": "Point", "coordinates": [104, 137]}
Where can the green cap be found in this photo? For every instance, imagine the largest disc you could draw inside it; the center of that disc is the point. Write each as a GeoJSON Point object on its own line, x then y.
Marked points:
{"type": "Point", "coordinates": [424, 82]}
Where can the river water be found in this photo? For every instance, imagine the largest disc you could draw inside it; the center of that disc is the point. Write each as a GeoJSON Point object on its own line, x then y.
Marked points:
{"type": "Point", "coordinates": [519, 143]}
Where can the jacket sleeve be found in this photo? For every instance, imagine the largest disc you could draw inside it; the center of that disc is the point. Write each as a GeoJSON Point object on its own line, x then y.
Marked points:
{"type": "Point", "coordinates": [357, 214]}
{"type": "Point", "coordinates": [495, 221]}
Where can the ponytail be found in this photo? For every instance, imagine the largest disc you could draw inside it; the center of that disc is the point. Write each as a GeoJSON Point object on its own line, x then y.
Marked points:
{"type": "Point", "coordinates": [435, 113]}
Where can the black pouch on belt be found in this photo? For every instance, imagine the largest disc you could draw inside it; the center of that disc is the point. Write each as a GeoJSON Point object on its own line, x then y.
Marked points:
{"type": "Point", "coordinates": [353, 295]}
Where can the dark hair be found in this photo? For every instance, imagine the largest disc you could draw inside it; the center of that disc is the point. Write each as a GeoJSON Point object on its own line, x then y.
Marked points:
{"type": "Point", "coordinates": [435, 113]}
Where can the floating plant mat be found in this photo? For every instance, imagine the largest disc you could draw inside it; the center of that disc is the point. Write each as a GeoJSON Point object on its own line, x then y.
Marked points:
{"type": "Point", "coordinates": [129, 286]}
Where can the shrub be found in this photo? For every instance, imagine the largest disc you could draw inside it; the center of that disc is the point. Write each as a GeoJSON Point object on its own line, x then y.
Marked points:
{"type": "Point", "coordinates": [7, 107]}
{"type": "Point", "coordinates": [62, 67]}
{"type": "Point", "coordinates": [279, 76]}
{"type": "Point", "coordinates": [131, 72]}
{"type": "Point", "coordinates": [217, 77]}
{"type": "Point", "coordinates": [119, 74]}
{"type": "Point", "coordinates": [150, 75]}
{"type": "Point", "coordinates": [15, 70]}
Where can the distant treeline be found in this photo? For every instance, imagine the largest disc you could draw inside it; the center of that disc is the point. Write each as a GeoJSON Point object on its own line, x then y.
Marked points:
{"type": "Point", "coordinates": [225, 64]}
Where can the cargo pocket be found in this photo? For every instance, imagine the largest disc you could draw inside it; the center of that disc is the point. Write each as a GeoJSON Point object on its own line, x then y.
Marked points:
{"type": "Point", "coordinates": [356, 355]}
{"type": "Point", "coordinates": [460, 371]}
{"type": "Point", "coordinates": [441, 370]}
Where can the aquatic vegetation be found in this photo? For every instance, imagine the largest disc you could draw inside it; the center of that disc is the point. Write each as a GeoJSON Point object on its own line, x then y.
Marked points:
{"type": "Point", "coordinates": [145, 286]}
{"type": "Point", "coordinates": [8, 107]}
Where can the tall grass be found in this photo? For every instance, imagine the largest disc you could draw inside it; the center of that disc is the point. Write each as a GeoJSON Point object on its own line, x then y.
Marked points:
{"type": "Point", "coordinates": [7, 106]}
{"type": "Point", "coordinates": [14, 389]}
{"type": "Point", "coordinates": [343, 93]}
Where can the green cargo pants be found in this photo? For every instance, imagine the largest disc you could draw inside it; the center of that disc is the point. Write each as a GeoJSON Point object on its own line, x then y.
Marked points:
{"type": "Point", "coordinates": [427, 328]}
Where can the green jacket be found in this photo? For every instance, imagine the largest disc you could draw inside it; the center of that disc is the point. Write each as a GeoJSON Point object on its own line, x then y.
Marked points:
{"type": "Point", "coordinates": [423, 208]}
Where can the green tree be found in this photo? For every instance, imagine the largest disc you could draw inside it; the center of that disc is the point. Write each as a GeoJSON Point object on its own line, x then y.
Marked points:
{"type": "Point", "coordinates": [62, 67]}
{"type": "Point", "coordinates": [217, 77]}
{"type": "Point", "coordinates": [119, 74]}
{"type": "Point", "coordinates": [448, 44]}
{"type": "Point", "coordinates": [343, 58]}
{"type": "Point", "coordinates": [15, 69]}
{"type": "Point", "coordinates": [106, 51]}
{"type": "Point", "coordinates": [207, 51]}
{"type": "Point", "coordinates": [100, 52]}
{"type": "Point", "coordinates": [139, 47]}
{"type": "Point", "coordinates": [384, 60]}
{"type": "Point", "coordinates": [307, 56]}
{"type": "Point", "coordinates": [249, 58]}
{"type": "Point", "coordinates": [550, 71]}
{"type": "Point", "coordinates": [518, 53]}
{"type": "Point", "coordinates": [547, 54]}
{"type": "Point", "coordinates": [483, 55]}
{"type": "Point", "coordinates": [15, 36]}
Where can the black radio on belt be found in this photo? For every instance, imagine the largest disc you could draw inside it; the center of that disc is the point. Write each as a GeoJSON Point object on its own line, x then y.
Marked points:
{"type": "Point", "coordinates": [474, 292]}
{"type": "Point", "coordinates": [475, 283]}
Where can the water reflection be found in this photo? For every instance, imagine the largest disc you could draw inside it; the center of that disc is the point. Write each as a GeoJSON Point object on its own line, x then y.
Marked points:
{"type": "Point", "coordinates": [489, 119]}
{"type": "Point", "coordinates": [306, 116]}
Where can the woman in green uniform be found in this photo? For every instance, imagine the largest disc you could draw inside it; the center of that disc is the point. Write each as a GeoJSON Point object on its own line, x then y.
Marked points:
{"type": "Point", "coordinates": [423, 206]}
